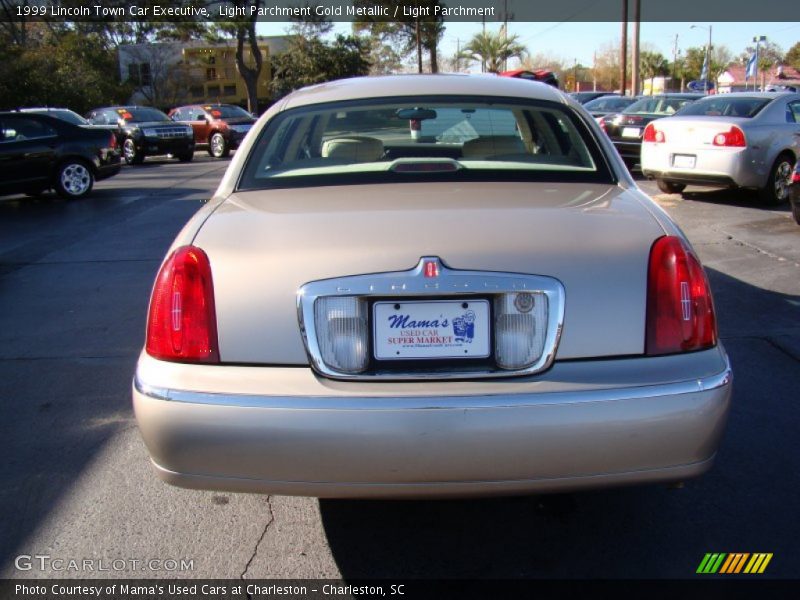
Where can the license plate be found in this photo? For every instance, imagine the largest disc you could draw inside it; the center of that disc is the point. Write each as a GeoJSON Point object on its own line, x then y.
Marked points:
{"type": "Point", "coordinates": [631, 132]}
{"type": "Point", "coordinates": [430, 330]}
{"type": "Point", "coordinates": [684, 161]}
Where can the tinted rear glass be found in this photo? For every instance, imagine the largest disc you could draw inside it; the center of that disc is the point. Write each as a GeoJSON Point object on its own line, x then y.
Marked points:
{"type": "Point", "coordinates": [721, 106]}
{"type": "Point", "coordinates": [141, 115]}
{"type": "Point", "coordinates": [609, 103]}
{"type": "Point", "coordinates": [657, 105]}
{"type": "Point", "coordinates": [441, 138]}
{"type": "Point", "coordinates": [227, 112]}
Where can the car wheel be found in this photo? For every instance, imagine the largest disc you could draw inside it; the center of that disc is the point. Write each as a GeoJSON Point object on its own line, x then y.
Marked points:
{"type": "Point", "coordinates": [187, 157]}
{"type": "Point", "coordinates": [74, 179]}
{"type": "Point", "coordinates": [130, 154]}
{"type": "Point", "coordinates": [776, 191]}
{"type": "Point", "coordinates": [670, 188]}
{"type": "Point", "coordinates": [217, 146]}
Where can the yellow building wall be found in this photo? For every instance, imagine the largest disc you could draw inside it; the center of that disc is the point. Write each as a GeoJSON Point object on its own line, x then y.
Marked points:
{"type": "Point", "coordinates": [215, 78]}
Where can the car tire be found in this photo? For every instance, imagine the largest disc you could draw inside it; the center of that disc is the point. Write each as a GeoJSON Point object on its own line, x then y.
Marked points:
{"type": "Point", "coordinates": [669, 187]}
{"type": "Point", "coordinates": [217, 146]}
{"type": "Point", "coordinates": [129, 152]}
{"type": "Point", "coordinates": [776, 191]}
{"type": "Point", "coordinates": [186, 157]}
{"type": "Point", "coordinates": [74, 179]}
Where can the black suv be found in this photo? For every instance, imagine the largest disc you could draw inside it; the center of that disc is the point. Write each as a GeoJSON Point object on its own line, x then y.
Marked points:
{"type": "Point", "coordinates": [39, 152]}
{"type": "Point", "coordinates": [143, 131]}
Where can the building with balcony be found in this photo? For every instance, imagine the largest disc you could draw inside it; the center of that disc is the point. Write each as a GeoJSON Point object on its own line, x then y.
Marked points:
{"type": "Point", "coordinates": [172, 73]}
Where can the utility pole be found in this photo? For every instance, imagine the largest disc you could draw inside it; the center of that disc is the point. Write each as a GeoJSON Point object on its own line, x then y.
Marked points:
{"type": "Point", "coordinates": [623, 59]}
{"type": "Point", "coordinates": [594, 72]}
{"type": "Point", "coordinates": [458, 55]}
{"type": "Point", "coordinates": [674, 60]}
{"type": "Point", "coordinates": [635, 84]}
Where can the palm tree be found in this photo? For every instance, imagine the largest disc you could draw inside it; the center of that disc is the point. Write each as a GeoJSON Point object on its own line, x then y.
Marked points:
{"type": "Point", "coordinates": [492, 50]}
{"type": "Point", "coordinates": [651, 65]}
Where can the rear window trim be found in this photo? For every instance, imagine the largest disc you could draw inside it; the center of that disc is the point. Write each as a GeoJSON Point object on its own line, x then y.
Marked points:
{"type": "Point", "coordinates": [603, 173]}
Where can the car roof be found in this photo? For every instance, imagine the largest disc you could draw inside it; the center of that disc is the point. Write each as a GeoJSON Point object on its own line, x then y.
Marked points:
{"type": "Point", "coordinates": [423, 85]}
{"type": "Point", "coordinates": [754, 95]}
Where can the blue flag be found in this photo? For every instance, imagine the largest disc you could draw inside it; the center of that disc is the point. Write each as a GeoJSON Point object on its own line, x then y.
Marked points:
{"type": "Point", "coordinates": [751, 67]}
{"type": "Point", "coordinates": [704, 74]}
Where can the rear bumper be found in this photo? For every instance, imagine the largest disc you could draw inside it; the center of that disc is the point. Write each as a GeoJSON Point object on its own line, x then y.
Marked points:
{"type": "Point", "coordinates": [358, 440]}
{"type": "Point", "coordinates": [722, 167]}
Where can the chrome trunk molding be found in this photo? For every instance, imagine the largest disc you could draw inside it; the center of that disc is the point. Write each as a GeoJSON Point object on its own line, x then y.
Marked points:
{"type": "Point", "coordinates": [448, 283]}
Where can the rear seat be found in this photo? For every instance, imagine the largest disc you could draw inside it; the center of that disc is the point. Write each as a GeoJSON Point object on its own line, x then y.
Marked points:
{"type": "Point", "coordinates": [491, 146]}
{"type": "Point", "coordinates": [353, 149]}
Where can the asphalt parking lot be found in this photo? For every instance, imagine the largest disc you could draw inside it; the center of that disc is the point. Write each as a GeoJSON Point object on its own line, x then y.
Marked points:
{"type": "Point", "coordinates": [76, 481]}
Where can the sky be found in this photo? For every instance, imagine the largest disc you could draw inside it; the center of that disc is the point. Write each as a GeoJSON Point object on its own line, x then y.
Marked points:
{"type": "Point", "coordinates": [579, 40]}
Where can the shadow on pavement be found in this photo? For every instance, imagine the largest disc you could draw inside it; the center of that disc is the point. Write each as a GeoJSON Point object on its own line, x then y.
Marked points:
{"type": "Point", "coordinates": [746, 503]}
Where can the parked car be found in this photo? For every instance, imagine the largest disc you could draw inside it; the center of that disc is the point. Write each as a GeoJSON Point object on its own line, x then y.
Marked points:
{"type": "Point", "coordinates": [745, 140]}
{"type": "Point", "coordinates": [607, 105]}
{"type": "Point", "coordinates": [626, 128]}
{"type": "Point", "coordinates": [143, 131]}
{"type": "Point", "coordinates": [584, 97]}
{"type": "Point", "coordinates": [220, 127]}
{"type": "Point", "coordinates": [794, 193]}
{"type": "Point", "coordinates": [64, 114]}
{"type": "Point", "coordinates": [540, 75]}
{"type": "Point", "coordinates": [40, 152]}
{"type": "Point", "coordinates": [493, 307]}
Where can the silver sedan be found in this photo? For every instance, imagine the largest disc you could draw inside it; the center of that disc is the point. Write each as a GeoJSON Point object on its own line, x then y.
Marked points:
{"type": "Point", "coordinates": [430, 286]}
{"type": "Point", "coordinates": [746, 140]}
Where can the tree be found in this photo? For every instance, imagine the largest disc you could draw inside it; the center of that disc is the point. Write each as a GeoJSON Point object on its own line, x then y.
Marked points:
{"type": "Point", "coordinates": [409, 33]}
{"type": "Point", "coordinates": [720, 59]}
{"type": "Point", "coordinates": [652, 65]}
{"type": "Point", "coordinates": [310, 61]}
{"type": "Point", "coordinates": [244, 31]}
{"type": "Point", "coordinates": [493, 49]}
{"type": "Point", "coordinates": [169, 78]}
{"type": "Point", "coordinates": [792, 57]}
{"type": "Point", "coordinates": [770, 55]}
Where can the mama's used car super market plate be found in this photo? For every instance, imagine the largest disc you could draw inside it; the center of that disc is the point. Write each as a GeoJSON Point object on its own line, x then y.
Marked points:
{"type": "Point", "coordinates": [433, 329]}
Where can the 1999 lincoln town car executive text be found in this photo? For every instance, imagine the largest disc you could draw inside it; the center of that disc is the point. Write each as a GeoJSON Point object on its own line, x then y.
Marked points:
{"type": "Point", "coordinates": [429, 286]}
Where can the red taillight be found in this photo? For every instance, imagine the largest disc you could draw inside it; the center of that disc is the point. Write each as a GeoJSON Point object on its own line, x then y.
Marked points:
{"type": "Point", "coordinates": [734, 138]}
{"type": "Point", "coordinates": [796, 176]}
{"type": "Point", "coordinates": [182, 322]}
{"type": "Point", "coordinates": [680, 309]}
{"type": "Point", "coordinates": [651, 134]}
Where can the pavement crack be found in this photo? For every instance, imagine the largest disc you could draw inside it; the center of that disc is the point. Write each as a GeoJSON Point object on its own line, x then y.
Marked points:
{"type": "Point", "coordinates": [781, 348]}
{"type": "Point", "coordinates": [269, 522]}
{"type": "Point", "coordinates": [759, 249]}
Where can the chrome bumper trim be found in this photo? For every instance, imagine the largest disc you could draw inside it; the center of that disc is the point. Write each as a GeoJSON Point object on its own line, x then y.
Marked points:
{"type": "Point", "coordinates": [435, 402]}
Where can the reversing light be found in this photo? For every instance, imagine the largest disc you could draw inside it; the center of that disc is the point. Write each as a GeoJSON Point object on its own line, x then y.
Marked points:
{"type": "Point", "coordinates": [520, 328]}
{"type": "Point", "coordinates": [182, 320]}
{"type": "Point", "coordinates": [341, 324]}
{"type": "Point", "coordinates": [680, 309]}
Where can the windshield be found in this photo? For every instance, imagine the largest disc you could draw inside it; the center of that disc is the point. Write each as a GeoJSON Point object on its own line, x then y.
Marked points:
{"type": "Point", "coordinates": [726, 107]}
{"type": "Point", "coordinates": [142, 115]}
{"type": "Point", "coordinates": [657, 105]}
{"type": "Point", "coordinates": [386, 140]}
{"type": "Point", "coordinates": [227, 111]}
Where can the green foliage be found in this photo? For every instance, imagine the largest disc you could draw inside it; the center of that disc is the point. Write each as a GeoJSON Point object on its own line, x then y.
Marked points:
{"type": "Point", "coordinates": [792, 57]}
{"type": "Point", "coordinates": [652, 64]}
{"type": "Point", "coordinates": [493, 49]}
{"type": "Point", "coordinates": [311, 60]}
{"type": "Point", "coordinates": [59, 68]}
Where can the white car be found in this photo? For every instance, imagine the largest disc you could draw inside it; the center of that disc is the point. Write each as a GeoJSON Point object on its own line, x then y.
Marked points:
{"type": "Point", "coordinates": [745, 140]}
{"type": "Point", "coordinates": [430, 285]}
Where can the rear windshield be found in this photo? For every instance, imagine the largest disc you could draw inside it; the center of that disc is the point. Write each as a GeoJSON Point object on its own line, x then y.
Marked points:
{"type": "Point", "coordinates": [721, 106]}
{"type": "Point", "coordinates": [422, 139]}
{"type": "Point", "coordinates": [609, 103]}
{"type": "Point", "coordinates": [657, 106]}
{"type": "Point", "coordinates": [227, 112]}
{"type": "Point", "coordinates": [142, 115]}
